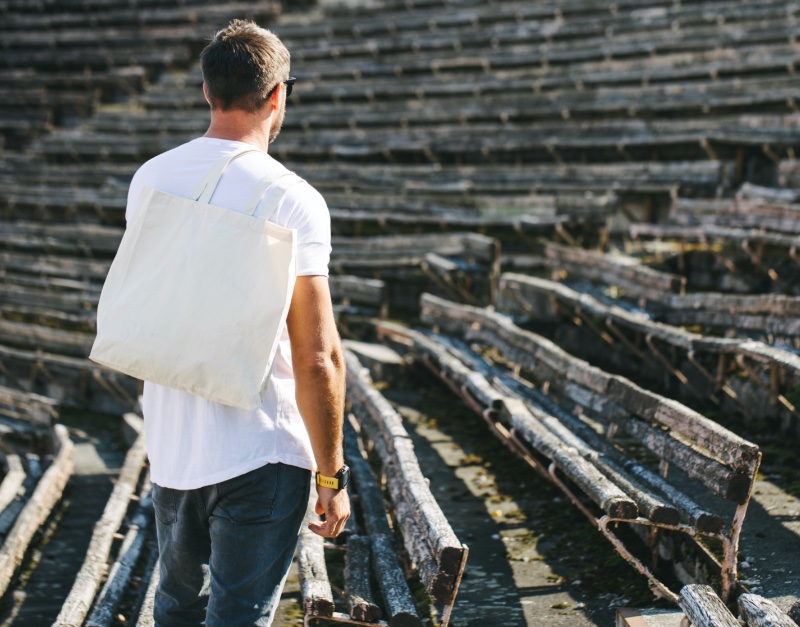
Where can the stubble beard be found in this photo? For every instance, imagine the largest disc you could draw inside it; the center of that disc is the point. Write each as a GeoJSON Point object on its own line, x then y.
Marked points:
{"type": "Point", "coordinates": [275, 129]}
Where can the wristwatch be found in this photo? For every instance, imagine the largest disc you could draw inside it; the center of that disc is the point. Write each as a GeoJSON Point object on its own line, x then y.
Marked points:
{"type": "Point", "coordinates": [337, 482]}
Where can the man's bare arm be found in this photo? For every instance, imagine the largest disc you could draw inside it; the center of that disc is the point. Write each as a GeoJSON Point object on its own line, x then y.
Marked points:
{"type": "Point", "coordinates": [319, 373]}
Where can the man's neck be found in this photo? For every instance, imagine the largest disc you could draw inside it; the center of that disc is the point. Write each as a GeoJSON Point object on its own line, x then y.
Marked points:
{"type": "Point", "coordinates": [240, 127]}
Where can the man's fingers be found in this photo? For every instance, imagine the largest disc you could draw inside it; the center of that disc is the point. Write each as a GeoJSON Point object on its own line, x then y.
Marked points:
{"type": "Point", "coordinates": [318, 508]}
{"type": "Point", "coordinates": [323, 529]}
{"type": "Point", "coordinates": [318, 528]}
{"type": "Point", "coordinates": [331, 528]}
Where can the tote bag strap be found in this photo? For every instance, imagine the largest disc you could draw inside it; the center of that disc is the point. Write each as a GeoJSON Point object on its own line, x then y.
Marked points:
{"type": "Point", "coordinates": [205, 188]}
{"type": "Point", "coordinates": [266, 184]}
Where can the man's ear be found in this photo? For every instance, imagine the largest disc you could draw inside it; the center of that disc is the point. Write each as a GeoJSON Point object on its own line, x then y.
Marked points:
{"type": "Point", "coordinates": [205, 94]}
{"type": "Point", "coordinates": [275, 98]}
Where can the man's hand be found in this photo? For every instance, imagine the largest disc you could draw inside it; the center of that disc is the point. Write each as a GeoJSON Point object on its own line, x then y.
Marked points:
{"type": "Point", "coordinates": [335, 504]}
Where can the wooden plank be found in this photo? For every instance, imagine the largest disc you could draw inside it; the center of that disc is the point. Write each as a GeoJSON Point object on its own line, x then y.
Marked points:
{"type": "Point", "coordinates": [640, 406]}
{"type": "Point", "coordinates": [385, 428]}
{"type": "Point", "coordinates": [399, 603]}
{"type": "Point", "coordinates": [358, 289]}
{"type": "Point", "coordinates": [760, 612]}
{"type": "Point", "coordinates": [357, 589]}
{"type": "Point", "coordinates": [36, 409]}
{"type": "Point", "coordinates": [375, 518]}
{"type": "Point", "coordinates": [704, 608]}
{"type": "Point", "coordinates": [33, 337]}
{"type": "Point", "coordinates": [13, 481]}
{"type": "Point", "coordinates": [608, 496]}
{"type": "Point", "coordinates": [650, 495]}
{"type": "Point", "coordinates": [315, 587]}
{"type": "Point", "coordinates": [635, 617]}
{"type": "Point", "coordinates": [47, 493]}
{"type": "Point", "coordinates": [146, 613]}
{"type": "Point", "coordinates": [729, 483]}
{"type": "Point", "coordinates": [87, 581]}
{"type": "Point", "coordinates": [139, 607]}
{"type": "Point", "coordinates": [530, 428]}
{"type": "Point", "coordinates": [613, 270]}
{"type": "Point", "coordinates": [370, 498]}
{"type": "Point", "coordinates": [121, 571]}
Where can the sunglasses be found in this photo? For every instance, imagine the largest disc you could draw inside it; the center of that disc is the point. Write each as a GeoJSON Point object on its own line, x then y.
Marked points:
{"type": "Point", "coordinates": [289, 82]}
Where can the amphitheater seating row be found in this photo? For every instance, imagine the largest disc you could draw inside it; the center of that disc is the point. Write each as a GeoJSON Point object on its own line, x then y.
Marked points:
{"type": "Point", "coordinates": [555, 38]}
{"type": "Point", "coordinates": [766, 313]}
{"type": "Point", "coordinates": [61, 60]}
{"type": "Point", "coordinates": [37, 456]}
{"type": "Point", "coordinates": [439, 557]}
{"type": "Point", "coordinates": [448, 144]}
{"type": "Point", "coordinates": [120, 570]}
{"type": "Point", "coordinates": [555, 438]}
{"type": "Point", "coordinates": [704, 366]}
{"type": "Point", "coordinates": [403, 17]}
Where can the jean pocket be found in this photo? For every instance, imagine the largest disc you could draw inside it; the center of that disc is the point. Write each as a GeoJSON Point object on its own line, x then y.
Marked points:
{"type": "Point", "coordinates": [164, 505]}
{"type": "Point", "coordinates": [250, 498]}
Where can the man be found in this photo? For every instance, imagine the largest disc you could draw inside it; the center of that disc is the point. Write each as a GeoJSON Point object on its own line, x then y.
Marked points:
{"type": "Point", "coordinates": [230, 485]}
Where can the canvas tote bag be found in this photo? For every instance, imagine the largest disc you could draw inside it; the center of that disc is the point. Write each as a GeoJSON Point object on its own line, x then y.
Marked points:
{"type": "Point", "coordinates": [197, 294]}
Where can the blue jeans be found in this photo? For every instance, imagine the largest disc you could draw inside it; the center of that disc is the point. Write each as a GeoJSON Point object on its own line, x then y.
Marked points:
{"type": "Point", "coordinates": [226, 548]}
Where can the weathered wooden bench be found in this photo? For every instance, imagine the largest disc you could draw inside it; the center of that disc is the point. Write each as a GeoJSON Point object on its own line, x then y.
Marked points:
{"type": "Point", "coordinates": [742, 212]}
{"type": "Point", "coordinates": [705, 177]}
{"type": "Point", "coordinates": [63, 303]}
{"type": "Point", "coordinates": [631, 38]}
{"type": "Point", "coordinates": [463, 263]}
{"type": "Point", "coordinates": [58, 204]}
{"type": "Point", "coordinates": [663, 69]}
{"type": "Point", "coordinates": [350, 291]}
{"type": "Point", "coordinates": [625, 272]}
{"type": "Point", "coordinates": [491, 209]}
{"type": "Point", "coordinates": [789, 173]}
{"type": "Point", "coordinates": [552, 418]}
{"type": "Point", "coordinates": [408, 16]}
{"type": "Point", "coordinates": [73, 240]}
{"type": "Point", "coordinates": [32, 337]}
{"type": "Point", "coordinates": [724, 364]}
{"type": "Point", "coordinates": [703, 608]}
{"type": "Point", "coordinates": [30, 489]}
{"type": "Point", "coordinates": [728, 95]}
{"type": "Point", "coordinates": [443, 221]}
{"type": "Point", "coordinates": [74, 382]}
{"type": "Point", "coordinates": [509, 142]}
{"type": "Point", "coordinates": [84, 270]}
{"type": "Point", "coordinates": [434, 552]}
{"type": "Point", "coordinates": [774, 314]}
{"type": "Point", "coordinates": [743, 238]}
{"type": "Point", "coordinates": [760, 313]}
{"type": "Point", "coordinates": [102, 579]}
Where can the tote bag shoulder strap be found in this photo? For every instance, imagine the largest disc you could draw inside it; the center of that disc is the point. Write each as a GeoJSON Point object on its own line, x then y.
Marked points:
{"type": "Point", "coordinates": [205, 188]}
{"type": "Point", "coordinates": [283, 181]}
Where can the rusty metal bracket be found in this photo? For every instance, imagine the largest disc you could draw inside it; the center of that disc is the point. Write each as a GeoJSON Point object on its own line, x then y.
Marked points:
{"type": "Point", "coordinates": [672, 370]}
{"type": "Point", "coordinates": [617, 332]}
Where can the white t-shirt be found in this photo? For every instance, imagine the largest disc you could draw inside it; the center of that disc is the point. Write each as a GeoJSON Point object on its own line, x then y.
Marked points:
{"type": "Point", "coordinates": [191, 441]}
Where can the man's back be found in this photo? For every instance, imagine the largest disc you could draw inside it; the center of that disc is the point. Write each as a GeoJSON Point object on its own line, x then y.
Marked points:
{"type": "Point", "coordinates": [192, 441]}
{"type": "Point", "coordinates": [230, 487]}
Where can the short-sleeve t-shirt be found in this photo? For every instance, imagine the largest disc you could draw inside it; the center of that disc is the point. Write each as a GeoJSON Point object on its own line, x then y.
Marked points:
{"type": "Point", "coordinates": [191, 441]}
